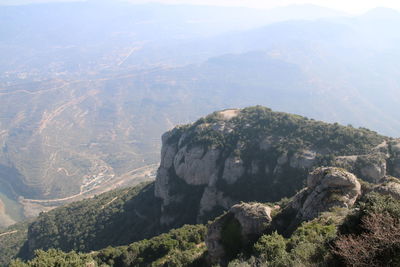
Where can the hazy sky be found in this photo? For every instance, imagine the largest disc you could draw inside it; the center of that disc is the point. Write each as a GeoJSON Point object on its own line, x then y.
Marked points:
{"type": "Point", "coordinates": [353, 6]}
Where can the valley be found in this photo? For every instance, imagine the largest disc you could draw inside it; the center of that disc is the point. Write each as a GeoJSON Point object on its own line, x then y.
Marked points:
{"type": "Point", "coordinates": [103, 121]}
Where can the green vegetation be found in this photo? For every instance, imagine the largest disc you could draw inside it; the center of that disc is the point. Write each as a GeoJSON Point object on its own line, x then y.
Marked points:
{"type": "Point", "coordinates": [371, 236]}
{"type": "Point", "coordinates": [180, 247]}
{"type": "Point", "coordinates": [54, 257]}
{"type": "Point", "coordinates": [367, 235]}
{"type": "Point", "coordinates": [11, 241]}
{"type": "Point", "coordinates": [307, 246]}
{"type": "Point", "coordinates": [92, 224]}
{"type": "Point", "coordinates": [287, 134]}
{"type": "Point", "coordinates": [254, 123]}
{"type": "Point", "coordinates": [100, 231]}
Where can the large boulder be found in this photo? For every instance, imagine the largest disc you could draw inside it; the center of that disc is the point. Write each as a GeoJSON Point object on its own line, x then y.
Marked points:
{"type": "Point", "coordinates": [327, 187]}
{"type": "Point", "coordinates": [245, 221]}
{"type": "Point", "coordinates": [391, 187]}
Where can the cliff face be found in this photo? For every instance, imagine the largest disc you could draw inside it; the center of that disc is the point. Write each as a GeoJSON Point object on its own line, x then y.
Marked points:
{"type": "Point", "coordinates": [255, 154]}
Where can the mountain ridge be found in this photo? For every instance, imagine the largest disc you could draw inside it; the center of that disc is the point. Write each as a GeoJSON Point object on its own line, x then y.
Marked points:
{"type": "Point", "coordinates": [194, 185]}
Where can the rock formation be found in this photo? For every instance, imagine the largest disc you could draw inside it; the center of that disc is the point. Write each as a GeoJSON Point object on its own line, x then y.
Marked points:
{"type": "Point", "coordinates": [327, 187]}
{"type": "Point", "coordinates": [255, 154]}
{"type": "Point", "coordinates": [252, 219]}
{"type": "Point", "coordinates": [391, 186]}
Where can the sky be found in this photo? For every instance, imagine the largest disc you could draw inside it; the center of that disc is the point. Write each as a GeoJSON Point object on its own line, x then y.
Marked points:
{"type": "Point", "coordinates": [350, 6]}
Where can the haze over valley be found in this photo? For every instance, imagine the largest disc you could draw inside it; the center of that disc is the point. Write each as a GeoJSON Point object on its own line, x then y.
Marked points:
{"type": "Point", "coordinates": [88, 88]}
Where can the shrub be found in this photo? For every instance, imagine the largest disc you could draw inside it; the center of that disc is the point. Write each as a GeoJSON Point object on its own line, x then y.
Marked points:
{"type": "Point", "coordinates": [379, 245]}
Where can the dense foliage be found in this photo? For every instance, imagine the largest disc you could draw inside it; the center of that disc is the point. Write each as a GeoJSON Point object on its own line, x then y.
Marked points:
{"type": "Point", "coordinates": [295, 132]}
{"type": "Point", "coordinates": [92, 224]}
{"type": "Point", "coordinates": [367, 235]}
{"type": "Point", "coordinates": [179, 247]}
{"type": "Point", "coordinates": [371, 235]}
{"type": "Point", "coordinates": [11, 241]}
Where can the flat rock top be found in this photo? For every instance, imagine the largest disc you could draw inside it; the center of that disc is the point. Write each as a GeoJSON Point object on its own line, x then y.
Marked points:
{"type": "Point", "coordinates": [252, 210]}
{"type": "Point", "coordinates": [229, 113]}
{"type": "Point", "coordinates": [332, 177]}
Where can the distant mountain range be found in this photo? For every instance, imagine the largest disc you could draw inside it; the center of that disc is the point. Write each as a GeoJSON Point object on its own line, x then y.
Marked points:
{"type": "Point", "coordinates": [87, 88]}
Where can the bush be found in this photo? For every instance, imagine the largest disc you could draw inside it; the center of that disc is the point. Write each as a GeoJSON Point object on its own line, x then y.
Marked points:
{"type": "Point", "coordinates": [271, 248]}
{"type": "Point", "coordinates": [371, 236]}
{"type": "Point", "coordinates": [379, 245]}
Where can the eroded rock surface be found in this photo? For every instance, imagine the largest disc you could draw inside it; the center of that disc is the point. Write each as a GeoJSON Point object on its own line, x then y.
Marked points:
{"type": "Point", "coordinates": [235, 155]}
{"type": "Point", "coordinates": [326, 187]}
{"type": "Point", "coordinates": [390, 187]}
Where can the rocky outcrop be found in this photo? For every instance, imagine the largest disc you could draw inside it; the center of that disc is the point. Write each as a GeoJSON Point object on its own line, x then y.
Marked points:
{"type": "Point", "coordinates": [195, 165]}
{"type": "Point", "coordinates": [381, 161]}
{"type": "Point", "coordinates": [391, 187]}
{"type": "Point", "coordinates": [304, 159]}
{"type": "Point", "coordinates": [251, 220]}
{"type": "Point", "coordinates": [327, 187]}
{"type": "Point", "coordinates": [374, 172]}
{"type": "Point", "coordinates": [233, 169]}
{"type": "Point", "coordinates": [212, 198]}
{"type": "Point", "coordinates": [246, 155]}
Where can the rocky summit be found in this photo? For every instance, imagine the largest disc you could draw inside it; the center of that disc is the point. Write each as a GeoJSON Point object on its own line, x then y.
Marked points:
{"type": "Point", "coordinates": [255, 154]}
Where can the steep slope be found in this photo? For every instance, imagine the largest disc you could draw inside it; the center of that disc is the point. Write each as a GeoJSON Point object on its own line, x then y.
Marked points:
{"type": "Point", "coordinates": [251, 154]}
{"type": "Point", "coordinates": [335, 205]}
{"type": "Point", "coordinates": [115, 218]}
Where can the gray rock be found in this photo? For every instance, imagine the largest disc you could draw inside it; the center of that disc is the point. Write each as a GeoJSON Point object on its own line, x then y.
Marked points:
{"type": "Point", "coordinates": [303, 160]}
{"type": "Point", "coordinates": [167, 151]}
{"type": "Point", "coordinates": [195, 166]}
{"type": "Point", "coordinates": [233, 169]}
{"type": "Point", "coordinates": [395, 146]}
{"type": "Point", "coordinates": [389, 188]}
{"type": "Point", "coordinates": [326, 187]}
{"type": "Point", "coordinates": [374, 172]}
{"type": "Point", "coordinates": [212, 198]}
{"type": "Point", "coordinates": [253, 218]}
{"type": "Point", "coordinates": [162, 185]}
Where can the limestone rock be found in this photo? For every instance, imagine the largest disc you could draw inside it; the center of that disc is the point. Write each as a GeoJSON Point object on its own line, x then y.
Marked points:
{"type": "Point", "coordinates": [389, 188]}
{"type": "Point", "coordinates": [162, 185]}
{"type": "Point", "coordinates": [195, 165]}
{"type": "Point", "coordinates": [233, 169]}
{"type": "Point", "coordinates": [395, 146]}
{"type": "Point", "coordinates": [374, 172]}
{"type": "Point", "coordinates": [212, 198]}
{"type": "Point", "coordinates": [168, 151]}
{"type": "Point", "coordinates": [303, 160]}
{"type": "Point", "coordinates": [326, 187]}
{"type": "Point", "coordinates": [253, 218]}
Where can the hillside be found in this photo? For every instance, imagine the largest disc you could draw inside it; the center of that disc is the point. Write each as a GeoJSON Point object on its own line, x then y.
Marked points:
{"type": "Point", "coordinates": [81, 108]}
{"type": "Point", "coordinates": [251, 154]}
{"type": "Point", "coordinates": [336, 238]}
